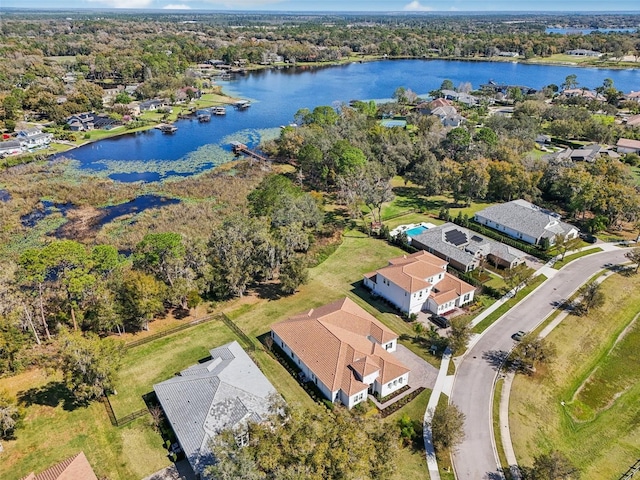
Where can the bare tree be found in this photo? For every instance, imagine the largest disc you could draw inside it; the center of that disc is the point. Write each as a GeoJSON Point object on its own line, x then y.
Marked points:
{"type": "Point", "coordinates": [591, 297]}
{"type": "Point", "coordinates": [634, 256]}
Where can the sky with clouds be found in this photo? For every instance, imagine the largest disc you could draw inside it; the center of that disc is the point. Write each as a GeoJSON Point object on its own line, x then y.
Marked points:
{"type": "Point", "coordinates": [339, 5]}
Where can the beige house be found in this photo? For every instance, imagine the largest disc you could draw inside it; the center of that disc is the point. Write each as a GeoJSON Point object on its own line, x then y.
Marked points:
{"type": "Point", "coordinates": [344, 351]}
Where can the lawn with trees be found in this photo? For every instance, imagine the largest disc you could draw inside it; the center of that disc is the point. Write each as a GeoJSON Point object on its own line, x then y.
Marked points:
{"type": "Point", "coordinates": [584, 401]}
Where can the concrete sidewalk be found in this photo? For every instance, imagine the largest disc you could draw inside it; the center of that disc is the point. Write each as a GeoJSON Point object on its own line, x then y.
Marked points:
{"type": "Point", "coordinates": [432, 463]}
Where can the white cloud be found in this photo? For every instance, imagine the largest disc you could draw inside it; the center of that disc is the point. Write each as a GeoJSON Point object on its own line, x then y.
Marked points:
{"type": "Point", "coordinates": [125, 3]}
{"type": "Point", "coordinates": [416, 6]}
{"type": "Point", "coordinates": [241, 4]}
{"type": "Point", "coordinates": [173, 6]}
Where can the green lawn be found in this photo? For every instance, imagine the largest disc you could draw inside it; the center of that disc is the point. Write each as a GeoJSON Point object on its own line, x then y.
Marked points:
{"type": "Point", "coordinates": [597, 375]}
{"type": "Point", "coordinates": [50, 434]}
{"type": "Point", "coordinates": [505, 307]}
{"type": "Point", "coordinates": [412, 462]}
{"type": "Point", "coordinates": [569, 258]}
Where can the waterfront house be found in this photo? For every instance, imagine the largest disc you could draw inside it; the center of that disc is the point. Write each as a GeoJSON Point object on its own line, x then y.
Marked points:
{"type": "Point", "coordinates": [223, 393]}
{"type": "Point", "coordinates": [153, 105]}
{"type": "Point", "coordinates": [419, 282]}
{"type": "Point", "coordinates": [82, 122]}
{"type": "Point", "coordinates": [11, 147]}
{"type": "Point", "coordinates": [459, 97]}
{"type": "Point", "coordinates": [526, 222]}
{"type": "Point", "coordinates": [626, 145]}
{"type": "Point", "coordinates": [580, 52]}
{"type": "Point", "coordinates": [34, 138]}
{"type": "Point", "coordinates": [345, 351]}
{"type": "Point", "coordinates": [465, 249]}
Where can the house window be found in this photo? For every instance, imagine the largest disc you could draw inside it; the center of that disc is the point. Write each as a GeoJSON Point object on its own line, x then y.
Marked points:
{"type": "Point", "coordinates": [242, 439]}
{"type": "Point", "coordinates": [401, 380]}
{"type": "Point", "coordinates": [420, 293]}
{"type": "Point", "coordinates": [466, 297]}
{"type": "Point", "coordinates": [388, 346]}
{"type": "Point", "coordinates": [395, 382]}
{"type": "Point", "coordinates": [390, 385]}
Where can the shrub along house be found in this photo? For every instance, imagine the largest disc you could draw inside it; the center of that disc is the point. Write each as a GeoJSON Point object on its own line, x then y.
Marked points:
{"type": "Point", "coordinates": [419, 282]}
{"type": "Point", "coordinates": [344, 351]}
{"type": "Point", "coordinates": [525, 221]}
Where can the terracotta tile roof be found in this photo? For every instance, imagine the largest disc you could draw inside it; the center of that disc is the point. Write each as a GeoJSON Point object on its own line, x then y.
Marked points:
{"type": "Point", "coordinates": [450, 288]}
{"type": "Point", "coordinates": [410, 272]}
{"type": "Point", "coordinates": [333, 342]}
{"type": "Point", "coordinates": [74, 468]}
{"type": "Point", "coordinates": [439, 102]}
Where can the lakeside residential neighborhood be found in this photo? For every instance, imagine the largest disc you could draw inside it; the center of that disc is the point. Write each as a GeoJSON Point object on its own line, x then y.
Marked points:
{"type": "Point", "coordinates": [435, 285]}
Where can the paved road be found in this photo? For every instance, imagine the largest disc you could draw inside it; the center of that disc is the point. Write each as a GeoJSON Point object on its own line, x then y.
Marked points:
{"type": "Point", "coordinates": [475, 374]}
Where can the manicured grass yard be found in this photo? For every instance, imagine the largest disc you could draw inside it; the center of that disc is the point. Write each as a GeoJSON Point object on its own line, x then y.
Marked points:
{"type": "Point", "coordinates": [597, 375]}
{"type": "Point", "coordinates": [50, 434]}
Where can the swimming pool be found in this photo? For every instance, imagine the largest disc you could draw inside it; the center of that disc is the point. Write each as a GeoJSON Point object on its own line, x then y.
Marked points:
{"type": "Point", "coordinates": [416, 231]}
{"type": "Point", "coordinates": [393, 123]}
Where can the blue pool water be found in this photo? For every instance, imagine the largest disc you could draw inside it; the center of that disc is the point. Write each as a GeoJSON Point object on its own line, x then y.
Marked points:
{"type": "Point", "coordinates": [393, 123]}
{"type": "Point", "coordinates": [416, 231]}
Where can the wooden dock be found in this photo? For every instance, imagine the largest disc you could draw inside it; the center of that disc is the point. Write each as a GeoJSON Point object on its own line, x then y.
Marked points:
{"type": "Point", "coordinates": [240, 148]}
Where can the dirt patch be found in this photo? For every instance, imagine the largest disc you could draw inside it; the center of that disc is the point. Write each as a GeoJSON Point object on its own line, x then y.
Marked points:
{"type": "Point", "coordinates": [82, 225]}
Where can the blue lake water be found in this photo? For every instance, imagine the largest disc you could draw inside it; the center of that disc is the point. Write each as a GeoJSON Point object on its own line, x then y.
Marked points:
{"type": "Point", "coordinates": [587, 31]}
{"type": "Point", "coordinates": [276, 95]}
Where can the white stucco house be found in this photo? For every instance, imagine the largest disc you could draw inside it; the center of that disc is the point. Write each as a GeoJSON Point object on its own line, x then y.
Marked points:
{"type": "Point", "coordinates": [344, 351]}
{"type": "Point", "coordinates": [419, 282]}
{"type": "Point", "coordinates": [525, 221]}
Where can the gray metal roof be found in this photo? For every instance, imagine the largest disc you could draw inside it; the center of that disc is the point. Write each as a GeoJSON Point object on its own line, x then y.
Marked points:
{"type": "Point", "coordinates": [465, 254]}
{"type": "Point", "coordinates": [526, 218]}
{"type": "Point", "coordinates": [205, 399]}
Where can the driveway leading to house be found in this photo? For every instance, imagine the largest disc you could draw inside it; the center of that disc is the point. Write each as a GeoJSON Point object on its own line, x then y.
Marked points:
{"type": "Point", "coordinates": [476, 371]}
{"type": "Point", "coordinates": [422, 373]}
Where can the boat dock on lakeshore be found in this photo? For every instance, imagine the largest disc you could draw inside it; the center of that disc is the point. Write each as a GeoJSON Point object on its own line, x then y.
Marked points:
{"type": "Point", "coordinates": [240, 148]}
{"type": "Point", "coordinates": [167, 128]}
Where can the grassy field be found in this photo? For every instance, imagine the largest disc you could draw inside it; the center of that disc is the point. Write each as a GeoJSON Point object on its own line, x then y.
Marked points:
{"type": "Point", "coordinates": [597, 375]}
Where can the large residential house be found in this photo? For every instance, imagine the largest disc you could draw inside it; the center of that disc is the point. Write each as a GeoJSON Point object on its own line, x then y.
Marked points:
{"type": "Point", "coordinates": [225, 392]}
{"type": "Point", "coordinates": [34, 138]}
{"type": "Point", "coordinates": [465, 249]}
{"type": "Point", "coordinates": [580, 52]}
{"type": "Point", "coordinates": [525, 221]}
{"type": "Point", "coordinates": [626, 145]}
{"type": "Point", "coordinates": [419, 282]}
{"type": "Point", "coordinates": [153, 105]}
{"type": "Point", "coordinates": [459, 97]}
{"type": "Point", "coordinates": [82, 122]}
{"type": "Point", "coordinates": [11, 147]}
{"type": "Point", "coordinates": [588, 153]}
{"type": "Point", "coordinates": [344, 351]}
{"type": "Point", "coordinates": [633, 120]}
{"type": "Point", "coordinates": [73, 468]}
{"type": "Point", "coordinates": [584, 93]}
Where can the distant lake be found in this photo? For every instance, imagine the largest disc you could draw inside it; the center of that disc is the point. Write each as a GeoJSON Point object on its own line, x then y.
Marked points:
{"type": "Point", "coordinates": [276, 95]}
{"type": "Point", "coordinates": [587, 31]}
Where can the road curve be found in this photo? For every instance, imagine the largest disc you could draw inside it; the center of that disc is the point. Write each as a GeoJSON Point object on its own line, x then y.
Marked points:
{"type": "Point", "coordinates": [475, 374]}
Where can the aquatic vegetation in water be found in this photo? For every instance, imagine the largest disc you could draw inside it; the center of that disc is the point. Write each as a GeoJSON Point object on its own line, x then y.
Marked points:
{"type": "Point", "coordinates": [207, 156]}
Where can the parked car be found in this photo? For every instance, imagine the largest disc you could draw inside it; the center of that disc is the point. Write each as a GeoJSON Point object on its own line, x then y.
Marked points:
{"type": "Point", "coordinates": [440, 321]}
{"type": "Point", "coordinates": [519, 335]}
{"type": "Point", "coordinates": [587, 237]}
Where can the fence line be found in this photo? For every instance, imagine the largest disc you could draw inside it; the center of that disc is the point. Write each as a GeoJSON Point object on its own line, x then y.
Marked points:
{"type": "Point", "coordinates": [120, 422]}
{"type": "Point", "coordinates": [231, 324]}
{"type": "Point", "coordinates": [169, 331]}
{"type": "Point", "coordinates": [635, 468]}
